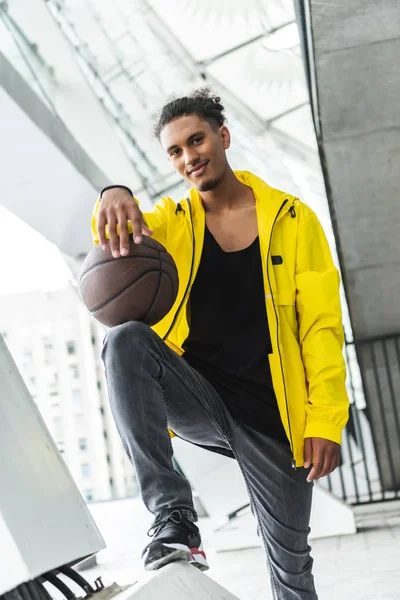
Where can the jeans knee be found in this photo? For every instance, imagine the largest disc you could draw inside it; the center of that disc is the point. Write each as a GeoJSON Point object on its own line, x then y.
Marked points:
{"type": "Point", "coordinates": [127, 337]}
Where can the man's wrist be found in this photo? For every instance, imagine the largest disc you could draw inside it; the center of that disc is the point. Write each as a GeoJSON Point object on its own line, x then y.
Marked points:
{"type": "Point", "coordinates": [111, 187]}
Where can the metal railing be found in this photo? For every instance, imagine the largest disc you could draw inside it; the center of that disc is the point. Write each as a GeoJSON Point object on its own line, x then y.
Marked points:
{"type": "Point", "coordinates": [370, 469]}
{"type": "Point", "coordinates": [24, 55]}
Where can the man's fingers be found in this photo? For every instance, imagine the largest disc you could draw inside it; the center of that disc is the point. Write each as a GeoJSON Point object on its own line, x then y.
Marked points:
{"type": "Point", "coordinates": [314, 473]}
{"type": "Point", "coordinates": [123, 233]}
{"type": "Point", "coordinates": [307, 452]}
{"type": "Point", "coordinates": [116, 211]}
{"type": "Point", "coordinates": [101, 229]}
{"type": "Point", "coordinates": [318, 458]}
{"type": "Point", "coordinates": [139, 227]}
{"type": "Point", "coordinates": [112, 232]}
{"type": "Point", "coordinates": [325, 457]}
{"type": "Point", "coordinates": [145, 229]}
{"type": "Point", "coordinates": [334, 462]}
{"type": "Point", "coordinates": [326, 469]}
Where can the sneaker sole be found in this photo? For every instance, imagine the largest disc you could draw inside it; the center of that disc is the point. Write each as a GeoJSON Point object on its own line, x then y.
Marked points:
{"type": "Point", "coordinates": [194, 557]}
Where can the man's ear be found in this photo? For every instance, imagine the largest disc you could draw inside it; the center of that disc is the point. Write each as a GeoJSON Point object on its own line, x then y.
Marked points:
{"type": "Point", "coordinates": [225, 136]}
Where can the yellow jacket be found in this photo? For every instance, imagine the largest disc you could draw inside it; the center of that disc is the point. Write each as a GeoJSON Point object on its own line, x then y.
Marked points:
{"type": "Point", "coordinates": [302, 303]}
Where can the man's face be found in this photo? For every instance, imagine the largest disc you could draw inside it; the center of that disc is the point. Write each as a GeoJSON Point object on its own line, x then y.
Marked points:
{"type": "Point", "coordinates": [196, 150]}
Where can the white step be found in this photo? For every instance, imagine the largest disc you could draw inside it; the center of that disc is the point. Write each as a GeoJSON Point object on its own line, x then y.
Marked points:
{"type": "Point", "coordinates": [176, 581]}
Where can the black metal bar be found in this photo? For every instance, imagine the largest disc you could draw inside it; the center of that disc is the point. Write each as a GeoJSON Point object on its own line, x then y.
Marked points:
{"type": "Point", "coordinates": [59, 585]}
{"type": "Point", "coordinates": [235, 513]}
{"type": "Point", "coordinates": [34, 588]}
{"type": "Point", "coordinates": [349, 449]}
{"type": "Point", "coordinates": [391, 388]}
{"type": "Point", "coordinates": [360, 441]}
{"type": "Point", "coordinates": [382, 412]}
{"type": "Point", "coordinates": [43, 590]}
{"type": "Point", "coordinates": [378, 338]}
{"type": "Point", "coordinates": [380, 501]}
{"type": "Point", "coordinates": [342, 485]}
{"type": "Point", "coordinates": [25, 592]}
{"type": "Point", "coordinates": [78, 579]}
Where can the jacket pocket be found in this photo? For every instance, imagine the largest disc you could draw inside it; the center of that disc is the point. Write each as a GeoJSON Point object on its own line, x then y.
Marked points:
{"type": "Point", "coordinates": [285, 297]}
{"type": "Point", "coordinates": [285, 301]}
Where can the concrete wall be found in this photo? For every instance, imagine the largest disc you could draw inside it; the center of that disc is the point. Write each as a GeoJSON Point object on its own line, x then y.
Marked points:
{"type": "Point", "coordinates": [356, 47]}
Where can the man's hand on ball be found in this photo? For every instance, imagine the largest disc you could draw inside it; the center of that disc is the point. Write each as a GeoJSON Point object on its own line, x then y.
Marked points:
{"type": "Point", "coordinates": [323, 455]}
{"type": "Point", "coordinates": [117, 207]}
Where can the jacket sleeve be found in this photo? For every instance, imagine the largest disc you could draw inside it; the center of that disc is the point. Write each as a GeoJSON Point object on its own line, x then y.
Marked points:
{"type": "Point", "coordinates": [321, 333]}
{"type": "Point", "coordinates": [156, 220]}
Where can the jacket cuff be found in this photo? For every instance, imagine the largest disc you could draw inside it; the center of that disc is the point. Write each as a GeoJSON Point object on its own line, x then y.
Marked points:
{"type": "Point", "coordinates": [324, 430]}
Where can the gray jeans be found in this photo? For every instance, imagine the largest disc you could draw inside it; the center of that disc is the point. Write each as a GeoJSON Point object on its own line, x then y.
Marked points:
{"type": "Point", "coordinates": [151, 387]}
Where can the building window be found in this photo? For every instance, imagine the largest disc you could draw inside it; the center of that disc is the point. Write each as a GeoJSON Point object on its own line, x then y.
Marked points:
{"type": "Point", "coordinates": [74, 370]}
{"type": "Point", "coordinates": [71, 347]}
{"type": "Point", "coordinates": [88, 494]}
{"type": "Point", "coordinates": [48, 352]}
{"type": "Point", "coordinates": [111, 481]}
{"type": "Point", "coordinates": [105, 434]}
{"type": "Point", "coordinates": [102, 410]}
{"type": "Point", "coordinates": [53, 380]}
{"type": "Point", "coordinates": [80, 422]}
{"type": "Point", "coordinates": [76, 396]}
{"type": "Point", "coordinates": [108, 458]}
{"type": "Point", "coordinates": [82, 443]}
{"type": "Point", "coordinates": [54, 399]}
{"type": "Point", "coordinates": [85, 470]}
{"type": "Point", "coordinates": [99, 385]}
{"type": "Point", "coordinates": [93, 340]}
{"type": "Point", "coordinates": [58, 428]}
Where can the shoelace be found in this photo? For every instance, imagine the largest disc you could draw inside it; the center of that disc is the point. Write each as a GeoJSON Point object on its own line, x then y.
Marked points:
{"type": "Point", "coordinates": [158, 525]}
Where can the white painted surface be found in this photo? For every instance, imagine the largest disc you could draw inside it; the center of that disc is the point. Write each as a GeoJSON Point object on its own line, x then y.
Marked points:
{"type": "Point", "coordinates": [216, 478]}
{"type": "Point", "coordinates": [13, 570]}
{"type": "Point", "coordinates": [220, 486]}
{"type": "Point", "coordinates": [177, 581]}
{"type": "Point", "coordinates": [43, 517]}
{"type": "Point", "coordinates": [40, 185]}
{"type": "Point", "coordinates": [330, 516]}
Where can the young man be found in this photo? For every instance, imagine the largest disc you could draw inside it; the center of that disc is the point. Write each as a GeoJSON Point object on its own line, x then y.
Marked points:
{"type": "Point", "coordinates": [249, 360]}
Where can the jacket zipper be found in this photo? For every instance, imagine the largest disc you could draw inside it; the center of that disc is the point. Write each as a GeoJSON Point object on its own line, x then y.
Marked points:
{"type": "Point", "coordinates": [277, 325]}
{"type": "Point", "coordinates": [174, 320]}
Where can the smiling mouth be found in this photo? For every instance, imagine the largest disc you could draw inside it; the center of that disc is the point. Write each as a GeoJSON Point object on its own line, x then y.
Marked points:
{"type": "Point", "coordinates": [199, 169]}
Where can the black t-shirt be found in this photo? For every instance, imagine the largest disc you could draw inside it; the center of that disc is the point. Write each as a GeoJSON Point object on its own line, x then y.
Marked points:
{"type": "Point", "coordinates": [229, 339]}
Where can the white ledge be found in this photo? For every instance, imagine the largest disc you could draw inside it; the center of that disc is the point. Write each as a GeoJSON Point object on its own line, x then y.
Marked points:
{"type": "Point", "coordinates": [176, 581]}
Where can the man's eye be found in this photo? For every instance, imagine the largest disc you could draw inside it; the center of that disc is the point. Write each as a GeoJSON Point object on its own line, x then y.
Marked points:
{"type": "Point", "coordinates": [197, 140]}
{"type": "Point", "coordinates": [175, 152]}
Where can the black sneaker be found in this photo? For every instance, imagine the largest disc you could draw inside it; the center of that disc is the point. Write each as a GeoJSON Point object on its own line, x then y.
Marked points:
{"type": "Point", "coordinates": [175, 538]}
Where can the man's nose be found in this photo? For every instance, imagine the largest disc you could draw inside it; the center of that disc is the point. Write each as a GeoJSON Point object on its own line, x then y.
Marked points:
{"type": "Point", "coordinates": [191, 157]}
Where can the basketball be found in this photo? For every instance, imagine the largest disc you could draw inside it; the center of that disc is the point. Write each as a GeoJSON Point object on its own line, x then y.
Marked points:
{"type": "Point", "coordinates": [141, 286]}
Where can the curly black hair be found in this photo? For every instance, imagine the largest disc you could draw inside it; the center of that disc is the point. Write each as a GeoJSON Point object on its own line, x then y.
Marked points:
{"type": "Point", "coordinates": [201, 102]}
